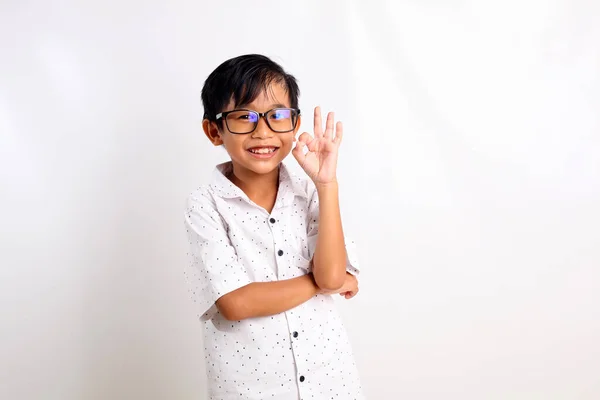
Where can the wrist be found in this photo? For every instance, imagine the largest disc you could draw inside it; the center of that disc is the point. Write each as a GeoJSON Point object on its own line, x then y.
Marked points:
{"type": "Point", "coordinates": [331, 186]}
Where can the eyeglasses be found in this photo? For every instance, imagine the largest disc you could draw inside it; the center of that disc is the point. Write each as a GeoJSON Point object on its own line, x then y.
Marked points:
{"type": "Point", "coordinates": [279, 120]}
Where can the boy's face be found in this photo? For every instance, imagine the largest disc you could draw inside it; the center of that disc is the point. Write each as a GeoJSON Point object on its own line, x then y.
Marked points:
{"type": "Point", "coordinates": [262, 150]}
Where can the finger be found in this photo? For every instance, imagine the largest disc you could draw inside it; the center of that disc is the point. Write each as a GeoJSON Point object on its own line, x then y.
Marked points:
{"type": "Point", "coordinates": [313, 145]}
{"type": "Point", "coordinates": [329, 126]}
{"type": "Point", "coordinates": [305, 138]}
{"type": "Point", "coordinates": [339, 133]}
{"type": "Point", "coordinates": [298, 152]}
{"type": "Point", "coordinates": [318, 122]}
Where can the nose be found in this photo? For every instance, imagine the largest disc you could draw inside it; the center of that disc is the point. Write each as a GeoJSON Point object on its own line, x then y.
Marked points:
{"type": "Point", "coordinates": [262, 129]}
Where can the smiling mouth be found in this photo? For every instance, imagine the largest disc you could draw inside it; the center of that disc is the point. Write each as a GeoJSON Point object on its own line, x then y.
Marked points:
{"type": "Point", "coordinates": [263, 150]}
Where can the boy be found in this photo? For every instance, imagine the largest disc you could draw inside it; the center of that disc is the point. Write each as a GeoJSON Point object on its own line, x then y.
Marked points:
{"type": "Point", "coordinates": [267, 247]}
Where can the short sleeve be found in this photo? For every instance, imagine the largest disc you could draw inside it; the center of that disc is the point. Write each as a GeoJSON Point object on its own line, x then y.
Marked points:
{"type": "Point", "coordinates": [352, 263]}
{"type": "Point", "coordinates": [213, 269]}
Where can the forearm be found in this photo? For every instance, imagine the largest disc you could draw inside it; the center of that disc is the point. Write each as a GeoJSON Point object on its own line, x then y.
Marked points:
{"type": "Point", "coordinates": [329, 260]}
{"type": "Point", "coordinates": [261, 299]}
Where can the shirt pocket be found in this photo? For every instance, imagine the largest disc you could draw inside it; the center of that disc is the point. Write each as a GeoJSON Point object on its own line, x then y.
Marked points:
{"type": "Point", "coordinates": [303, 264]}
{"type": "Point", "coordinates": [297, 243]}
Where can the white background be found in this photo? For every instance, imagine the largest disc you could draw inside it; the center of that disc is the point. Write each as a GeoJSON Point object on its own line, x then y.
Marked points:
{"type": "Point", "coordinates": [470, 176]}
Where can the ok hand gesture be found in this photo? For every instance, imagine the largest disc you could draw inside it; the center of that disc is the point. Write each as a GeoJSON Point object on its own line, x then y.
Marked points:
{"type": "Point", "coordinates": [320, 162]}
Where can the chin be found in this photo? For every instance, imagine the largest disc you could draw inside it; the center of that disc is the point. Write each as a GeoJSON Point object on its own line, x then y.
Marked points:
{"type": "Point", "coordinates": [263, 167]}
{"type": "Point", "coordinates": [258, 167]}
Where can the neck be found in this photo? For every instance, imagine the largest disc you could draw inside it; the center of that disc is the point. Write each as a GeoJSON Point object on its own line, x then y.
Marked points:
{"type": "Point", "coordinates": [260, 188]}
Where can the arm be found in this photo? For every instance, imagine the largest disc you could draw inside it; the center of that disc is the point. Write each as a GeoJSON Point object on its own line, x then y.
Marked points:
{"type": "Point", "coordinates": [261, 299]}
{"type": "Point", "coordinates": [329, 260]}
{"type": "Point", "coordinates": [320, 164]}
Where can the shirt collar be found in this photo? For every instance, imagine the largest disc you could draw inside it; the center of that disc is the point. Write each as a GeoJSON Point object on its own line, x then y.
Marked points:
{"type": "Point", "coordinates": [224, 188]}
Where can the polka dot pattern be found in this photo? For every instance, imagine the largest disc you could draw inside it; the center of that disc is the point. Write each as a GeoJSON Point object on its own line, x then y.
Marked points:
{"type": "Point", "coordinates": [303, 353]}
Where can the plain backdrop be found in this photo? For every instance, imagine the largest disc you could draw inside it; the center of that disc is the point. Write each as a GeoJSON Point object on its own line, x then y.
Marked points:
{"type": "Point", "coordinates": [469, 173]}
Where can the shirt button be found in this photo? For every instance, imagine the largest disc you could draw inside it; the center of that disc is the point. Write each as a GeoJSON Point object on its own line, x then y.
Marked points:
{"type": "Point", "coordinates": [272, 220]}
{"type": "Point", "coordinates": [302, 378]}
{"type": "Point", "coordinates": [280, 252]}
{"type": "Point", "coordinates": [295, 334]}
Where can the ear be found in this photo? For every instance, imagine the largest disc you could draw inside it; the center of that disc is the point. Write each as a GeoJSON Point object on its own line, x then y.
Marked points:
{"type": "Point", "coordinates": [211, 130]}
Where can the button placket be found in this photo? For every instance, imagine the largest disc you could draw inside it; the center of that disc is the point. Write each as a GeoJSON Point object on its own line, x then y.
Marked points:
{"type": "Point", "coordinates": [297, 343]}
{"type": "Point", "coordinates": [280, 258]}
{"type": "Point", "coordinates": [277, 243]}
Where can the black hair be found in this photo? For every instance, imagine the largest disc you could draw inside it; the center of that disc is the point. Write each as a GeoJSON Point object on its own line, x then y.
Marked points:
{"type": "Point", "coordinates": [242, 79]}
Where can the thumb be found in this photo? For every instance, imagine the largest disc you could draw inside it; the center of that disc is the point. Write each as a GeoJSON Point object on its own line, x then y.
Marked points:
{"type": "Point", "coordinates": [298, 151]}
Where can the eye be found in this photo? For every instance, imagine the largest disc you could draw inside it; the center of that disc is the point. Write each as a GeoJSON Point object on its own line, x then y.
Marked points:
{"type": "Point", "coordinates": [280, 114]}
{"type": "Point", "coordinates": [243, 116]}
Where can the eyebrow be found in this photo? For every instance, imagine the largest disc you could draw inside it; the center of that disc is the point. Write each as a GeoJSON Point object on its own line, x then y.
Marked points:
{"type": "Point", "coordinates": [278, 105]}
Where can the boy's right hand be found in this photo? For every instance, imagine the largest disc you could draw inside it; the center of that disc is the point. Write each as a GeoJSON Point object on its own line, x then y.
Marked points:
{"type": "Point", "coordinates": [349, 289]}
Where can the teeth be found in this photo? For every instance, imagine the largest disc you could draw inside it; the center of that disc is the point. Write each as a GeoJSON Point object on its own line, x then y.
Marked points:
{"type": "Point", "coordinates": [263, 150]}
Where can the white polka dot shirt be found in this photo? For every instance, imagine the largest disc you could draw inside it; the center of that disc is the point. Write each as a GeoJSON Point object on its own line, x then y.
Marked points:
{"type": "Point", "coordinates": [303, 353]}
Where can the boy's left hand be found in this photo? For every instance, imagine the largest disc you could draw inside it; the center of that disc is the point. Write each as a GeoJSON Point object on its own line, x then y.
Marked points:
{"type": "Point", "coordinates": [348, 290]}
{"type": "Point", "coordinates": [320, 162]}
